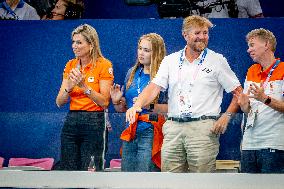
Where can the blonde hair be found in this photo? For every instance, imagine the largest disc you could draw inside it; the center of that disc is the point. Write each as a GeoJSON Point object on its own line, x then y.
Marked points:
{"type": "Point", "coordinates": [158, 53]}
{"type": "Point", "coordinates": [195, 21]}
{"type": "Point", "coordinates": [265, 35]}
{"type": "Point", "coordinates": [91, 36]}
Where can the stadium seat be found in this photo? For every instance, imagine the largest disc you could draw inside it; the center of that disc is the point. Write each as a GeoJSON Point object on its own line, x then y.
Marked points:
{"type": "Point", "coordinates": [44, 163]}
{"type": "Point", "coordinates": [115, 163]}
{"type": "Point", "coordinates": [1, 162]}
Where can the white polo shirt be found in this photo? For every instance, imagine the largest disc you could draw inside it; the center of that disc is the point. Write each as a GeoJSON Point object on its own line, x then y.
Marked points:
{"type": "Point", "coordinates": [201, 87]}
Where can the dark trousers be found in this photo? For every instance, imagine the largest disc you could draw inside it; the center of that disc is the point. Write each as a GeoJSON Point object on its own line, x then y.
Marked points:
{"type": "Point", "coordinates": [83, 135]}
{"type": "Point", "coordinates": [262, 161]}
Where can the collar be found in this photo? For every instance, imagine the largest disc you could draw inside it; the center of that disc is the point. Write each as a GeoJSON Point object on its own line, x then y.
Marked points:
{"type": "Point", "coordinates": [183, 57]}
{"type": "Point", "coordinates": [182, 54]}
{"type": "Point", "coordinates": [5, 6]}
{"type": "Point", "coordinates": [87, 67]}
{"type": "Point", "coordinates": [201, 54]}
{"type": "Point", "coordinates": [21, 4]}
{"type": "Point", "coordinates": [269, 68]}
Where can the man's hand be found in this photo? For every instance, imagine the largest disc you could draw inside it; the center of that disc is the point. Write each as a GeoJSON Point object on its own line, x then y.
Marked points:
{"type": "Point", "coordinates": [221, 124]}
{"type": "Point", "coordinates": [243, 101]}
{"type": "Point", "coordinates": [131, 113]}
{"type": "Point", "coordinates": [257, 92]}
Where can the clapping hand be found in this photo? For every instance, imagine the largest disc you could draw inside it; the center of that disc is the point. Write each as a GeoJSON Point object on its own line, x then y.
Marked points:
{"type": "Point", "coordinates": [75, 78]}
{"type": "Point", "coordinates": [116, 92]}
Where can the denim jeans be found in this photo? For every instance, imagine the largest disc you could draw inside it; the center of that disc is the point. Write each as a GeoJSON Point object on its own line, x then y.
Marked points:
{"type": "Point", "coordinates": [137, 153]}
{"type": "Point", "coordinates": [262, 161]}
{"type": "Point", "coordinates": [83, 135]}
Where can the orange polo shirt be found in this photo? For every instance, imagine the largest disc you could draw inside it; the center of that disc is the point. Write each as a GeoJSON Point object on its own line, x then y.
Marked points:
{"type": "Point", "coordinates": [255, 73]}
{"type": "Point", "coordinates": [102, 71]}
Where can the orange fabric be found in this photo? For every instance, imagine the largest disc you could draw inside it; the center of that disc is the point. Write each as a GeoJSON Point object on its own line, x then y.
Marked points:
{"type": "Point", "coordinates": [130, 132]}
{"type": "Point", "coordinates": [256, 74]}
{"type": "Point", "coordinates": [102, 71]}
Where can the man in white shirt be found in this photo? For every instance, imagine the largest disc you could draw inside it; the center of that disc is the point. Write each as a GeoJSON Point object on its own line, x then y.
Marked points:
{"type": "Point", "coordinates": [196, 78]}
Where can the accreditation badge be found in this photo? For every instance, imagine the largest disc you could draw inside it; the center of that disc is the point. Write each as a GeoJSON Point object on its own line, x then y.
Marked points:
{"type": "Point", "coordinates": [185, 105]}
{"type": "Point", "coordinates": [252, 116]}
{"type": "Point", "coordinates": [110, 71]}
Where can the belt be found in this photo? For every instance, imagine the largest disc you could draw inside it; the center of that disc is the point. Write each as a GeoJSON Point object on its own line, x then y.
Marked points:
{"type": "Point", "coordinates": [189, 119]}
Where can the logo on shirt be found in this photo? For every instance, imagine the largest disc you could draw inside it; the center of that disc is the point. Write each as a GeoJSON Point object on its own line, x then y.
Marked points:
{"type": "Point", "coordinates": [91, 79]}
{"type": "Point", "coordinates": [110, 70]}
{"type": "Point", "coordinates": [207, 70]}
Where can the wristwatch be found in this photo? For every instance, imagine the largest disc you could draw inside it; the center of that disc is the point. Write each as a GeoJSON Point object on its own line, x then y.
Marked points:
{"type": "Point", "coordinates": [67, 91]}
{"type": "Point", "coordinates": [268, 100]}
{"type": "Point", "coordinates": [88, 91]}
{"type": "Point", "coordinates": [151, 107]}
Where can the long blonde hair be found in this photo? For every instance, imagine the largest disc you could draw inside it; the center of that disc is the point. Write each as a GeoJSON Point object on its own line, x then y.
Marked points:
{"type": "Point", "coordinates": [158, 53]}
{"type": "Point", "coordinates": [91, 36]}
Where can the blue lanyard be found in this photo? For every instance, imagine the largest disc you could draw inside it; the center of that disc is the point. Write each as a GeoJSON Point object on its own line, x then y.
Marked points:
{"type": "Point", "coordinates": [181, 59]}
{"type": "Point", "coordinates": [139, 81]}
{"type": "Point", "coordinates": [270, 73]}
{"type": "Point", "coordinates": [10, 11]}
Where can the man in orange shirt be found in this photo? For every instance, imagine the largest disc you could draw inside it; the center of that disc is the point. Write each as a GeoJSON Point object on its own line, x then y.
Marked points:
{"type": "Point", "coordinates": [263, 102]}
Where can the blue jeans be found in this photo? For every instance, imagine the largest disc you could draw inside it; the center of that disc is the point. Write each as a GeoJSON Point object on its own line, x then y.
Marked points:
{"type": "Point", "coordinates": [137, 153]}
{"type": "Point", "coordinates": [262, 161]}
{"type": "Point", "coordinates": [83, 135]}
